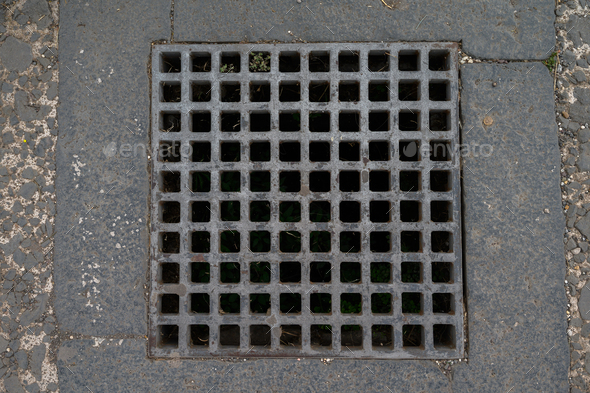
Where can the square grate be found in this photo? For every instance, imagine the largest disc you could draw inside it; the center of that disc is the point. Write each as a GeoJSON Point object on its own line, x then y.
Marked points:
{"type": "Point", "coordinates": [306, 201]}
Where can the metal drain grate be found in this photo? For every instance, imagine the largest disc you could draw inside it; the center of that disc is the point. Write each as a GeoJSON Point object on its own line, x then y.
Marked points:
{"type": "Point", "coordinates": [306, 201]}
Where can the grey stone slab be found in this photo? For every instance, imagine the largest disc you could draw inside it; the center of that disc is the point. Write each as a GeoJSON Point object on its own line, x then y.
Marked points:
{"type": "Point", "coordinates": [15, 55]}
{"type": "Point", "coordinates": [513, 250]}
{"type": "Point", "coordinates": [496, 29]}
{"type": "Point", "coordinates": [100, 277]}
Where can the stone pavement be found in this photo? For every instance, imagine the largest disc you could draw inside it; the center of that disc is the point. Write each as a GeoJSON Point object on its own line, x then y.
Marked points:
{"type": "Point", "coordinates": [75, 319]}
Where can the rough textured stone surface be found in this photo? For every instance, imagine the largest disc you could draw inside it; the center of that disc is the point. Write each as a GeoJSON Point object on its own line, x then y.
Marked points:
{"type": "Point", "coordinates": [584, 225]}
{"type": "Point", "coordinates": [584, 303]}
{"type": "Point", "coordinates": [15, 55]}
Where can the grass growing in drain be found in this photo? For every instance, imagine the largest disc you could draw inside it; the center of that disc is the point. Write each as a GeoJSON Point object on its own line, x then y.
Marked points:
{"type": "Point", "coordinates": [290, 241]}
{"type": "Point", "coordinates": [230, 272]}
{"type": "Point", "coordinates": [290, 212]}
{"type": "Point", "coordinates": [260, 241]}
{"type": "Point", "coordinates": [201, 182]}
{"type": "Point", "coordinates": [381, 303]}
{"type": "Point", "coordinates": [380, 272]}
{"type": "Point", "coordinates": [229, 303]}
{"type": "Point", "coordinates": [260, 272]}
{"type": "Point", "coordinates": [551, 62]}
{"type": "Point", "coordinates": [200, 272]}
{"type": "Point", "coordinates": [259, 62]}
{"type": "Point", "coordinates": [259, 303]}
{"type": "Point", "coordinates": [260, 211]}
{"type": "Point", "coordinates": [320, 241]}
{"type": "Point", "coordinates": [319, 211]}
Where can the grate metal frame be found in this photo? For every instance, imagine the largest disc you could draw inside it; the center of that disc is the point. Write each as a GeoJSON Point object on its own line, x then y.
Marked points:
{"type": "Point", "coordinates": [275, 319]}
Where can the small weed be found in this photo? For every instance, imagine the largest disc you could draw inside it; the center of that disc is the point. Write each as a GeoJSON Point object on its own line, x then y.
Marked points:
{"type": "Point", "coordinates": [259, 62]}
{"type": "Point", "coordinates": [551, 62]}
{"type": "Point", "coordinates": [227, 68]}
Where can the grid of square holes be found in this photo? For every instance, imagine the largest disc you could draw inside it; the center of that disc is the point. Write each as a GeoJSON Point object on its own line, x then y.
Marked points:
{"type": "Point", "coordinates": [306, 201]}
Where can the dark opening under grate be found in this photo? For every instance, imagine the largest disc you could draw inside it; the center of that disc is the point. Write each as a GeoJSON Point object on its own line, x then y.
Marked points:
{"type": "Point", "coordinates": [306, 201]}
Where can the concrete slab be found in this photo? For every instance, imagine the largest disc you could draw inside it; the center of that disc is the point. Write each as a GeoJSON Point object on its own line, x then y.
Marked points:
{"type": "Point", "coordinates": [490, 30]}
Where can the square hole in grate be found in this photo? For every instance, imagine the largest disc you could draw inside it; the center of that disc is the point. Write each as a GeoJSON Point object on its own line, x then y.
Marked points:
{"type": "Point", "coordinates": [201, 92]}
{"type": "Point", "coordinates": [440, 181]}
{"type": "Point", "coordinates": [260, 241]}
{"type": "Point", "coordinates": [230, 121]}
{"type": "Point", "coordinates": [379, 181]}
{"type": "Point", "coordinates": [442, 272]}
{"type": "Point", "coordinates": [319, 61]}
{"type": "Point", "coordinates": [290, 336]}
{"type": "Point", "coordinates": [413, 335]}
{"type": "Point", "coordinates": [289, 212]}
{"type": "Point", "coordinates": [409, 151]}
{"type": "Point", "coordinates": [170, 242]}
{"type": "Point", "coordinates": [289, 62]}
{"type": "Point", "coordinates": [229, 272]}
{"type": "Point", "coordinates": [320, 211]}
{"type": "Point", "coordinates": [260, 181]}
{"type": "Point", "coordinates": [379, 121]}
{"type": "Point", "coordinates": [290, 303]}
{"type": "Point", "coordinates": [348, 61]}
{"type": "Point", "coordinates": [443, 336]}
{"type": "Point", "coordinates": [170, 62]}
{"type": "Point", "coordinates": [411, 302]}
{"type": "Point", "coordinates": [170, 122]}
{"type": "Point", "coordinates": [289, 91]}
{"type": "Point", "coordinates": [289, 121]}
{"type": "Point", "coordinates": [441, 211]}
{"type": "Point", "coordinates": [439, 60]}
{"type": "Point", "coordinates": [290, 241]}
{"type": "Point", "coordinates": [442, 303]}
{"type": "Point", "coordinates": [382, 337]}
{"type": "Point", "coordinates": [200, 241]}
{"type": "Point", "coordinates": [319, 181]}
{"type": "Point", "coordinates": [260, 151]}
{"type": "Point", "coordinates": [381, 303]}
{"type": "Point", "coordinates": [169, 151]}
{"type": "Point", "coordinates": [379, 211]}
{"type": "Point", "coordinates": [290, 151]}
{"type": "Point", "coordinates": [350, 242]}
{"type": "Point", "coordinates": [350, 151]}
{"type": "Point", "coordinates": [439, 90]}
{"type": "Point", "coordinates": [439, 120]}
{"type": "Point", "coordinates": [289, 181]}
{"type": "Point", "coordinates": [378, 61]}
{"type": "Point", "coordinates": [320, 272]}
{"type": "Point", "coordinates": [320, 303]}
{"type": "Point", "coordinates": [230, 151]}
{"type": "Point", "coordinates": [229, 335]}
{"type": "Point", "coordinates": [259, 91]}
{"type": "Point", "coordinates": [260, 335]}
{"type": "Point", "coordinates": [230, 181]}
{"type": "Point", "coordinates": [350, 211]}
{"type": "Point", "coordinates": [170, 273]}
{"type": "Point", "coordinates": [319, 121]}
{"type": "Point", "coordinates": [352, 336]}
{"type": "Point", "coordinates": [350, 181]}
{"type": "Point", "coordinates": [350, 272]}
{"type": "Point", "coordinates": [260, 211]}
{"type": "Point", "coordinates": [409, 120]}
{"type": "Point", "coordinates": [290, 272]}
{"type": "Point", "coordinates": [320, 241]}
{"type": "Point", "coordinates": [379, 151]}
{"type": "Point", "coordinates": [260, 272]}
{"type": "Point", "coordinates": [229, 241]}
{"type": "Point", "coordinates": [409, 90]}
{"type": "Point", "coordinates": [409, 60]}
{"type": "Point", "coordinates": [230, 92]}
{"type": "Point", "coordinates": [260, 303]}
{"type": "Point", "coordinates": [200, 303]}
{"type": "Point", "coordinates": [409, 181]}
{"type": "Point", "coordinates": [201, 121]}
{"type": "Point", "coordinates": [319, 151]}
{"type": "Point", "coordinates": [442, 241]}
{"type": "Point", "coordinates": [259, 121]}
{"type": "Point", "coordinates": [349, 91]}
{"type": "Point", "coordinates": [259, 62]}
{"type": "Point", "coordinates": [201, 151]}
{"type": "Point", "coordinates": [381, 272]}
{"type": "Point", "coordinates": [200, 272]}
{"type": "Point", "coordinates": [170, 212]}
{"type": "Point", "coordinates": [440, 151]}
{"type": "Point", "coordinates": [169, 303]}
{"type": "Point", "coordinates": [229, 303]}
{"type": "Point", "coordinates": [380, 241]}
{"type": "Point", "coordinates": [229, 62]}
{"type": "Point", "coordinates": [411, 272]}
{"type": "Point", "coordinates": [201, 62]}
{"type": "Point", "coordinates": [411, 241]}
{"type": "Point", "coordinates": [321, 336]}
{"type": "Point", "coordinates": [349, 121]}
{"type": "Point", "coordinates": [168, 336]}
{"type": "Point", "coordinates": [170, 92]}
{"type": "Point", "coordinates": [351, 303]}
{"type": "Point", "coordinates": [409, 211]}
{"type": "Point", "coordinates": [199, 335]}
{"type": "Point", "coordinates": [379, 91]}
{"type": "Point", "coordinates": [201, 181]}
{"type": "Point", "coordinates": [170, 181]}
{"type": "Point", "coordinates": [319, 91]}
{"type": "Point", "coordinates": [200, 212]}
